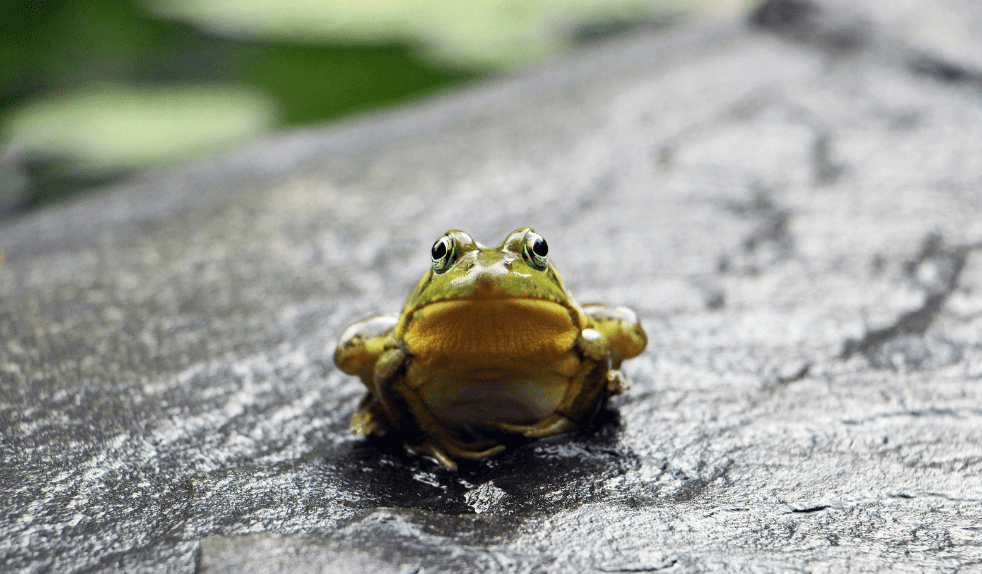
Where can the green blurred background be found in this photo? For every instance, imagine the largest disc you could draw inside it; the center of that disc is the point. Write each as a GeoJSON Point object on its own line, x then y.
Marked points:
{"type": "Point", "coordinates": [94, 90]}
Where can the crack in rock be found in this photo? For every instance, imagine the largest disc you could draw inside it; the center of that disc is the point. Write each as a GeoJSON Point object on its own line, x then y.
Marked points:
{"type": "Point", "coordinates": [638, 567]}
{"type": "Point", "coordinates": [839, 32]}
{"type": "Point", "coordinates": [769, 242]}
{"type": "Point", "coordinates": [810, 509]}
{"type": "Point", "coordinates": [826, 170]}
{"type": "Point", "coordinates": [936, 269]}
{"type": "Point", "coordinates": [806, 22]}
{"type": "Point", "coordinates": [946, 71]}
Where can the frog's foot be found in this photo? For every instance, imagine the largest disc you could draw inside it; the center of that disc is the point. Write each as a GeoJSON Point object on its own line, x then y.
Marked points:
{"type": "Point", "coordinates": [617, 383]}
{"type": "Point", "coordinates": [445, 448]}
{"type": "Point", "coordinates": [369, 418]}
{"type": "Point", "coordinates": [548, 426]}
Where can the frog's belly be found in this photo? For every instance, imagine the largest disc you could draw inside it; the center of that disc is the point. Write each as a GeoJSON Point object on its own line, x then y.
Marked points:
{"type": "Point", "coordinates": [462, 401]}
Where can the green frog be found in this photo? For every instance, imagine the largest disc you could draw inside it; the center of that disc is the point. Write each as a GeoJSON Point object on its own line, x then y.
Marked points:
{"type": "Point", "coordinates": [489, 343]}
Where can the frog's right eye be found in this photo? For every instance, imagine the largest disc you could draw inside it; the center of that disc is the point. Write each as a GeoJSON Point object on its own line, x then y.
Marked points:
{"type": "Point", "coordinates": [442, 254]}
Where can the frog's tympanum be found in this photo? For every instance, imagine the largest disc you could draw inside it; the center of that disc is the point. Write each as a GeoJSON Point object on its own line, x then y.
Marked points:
{"type": "Point", "coordinates": [489, 343]}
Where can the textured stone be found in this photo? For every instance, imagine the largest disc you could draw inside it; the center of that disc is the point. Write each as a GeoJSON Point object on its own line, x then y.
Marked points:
{"type": "Point", "coordinates": [795, 216]}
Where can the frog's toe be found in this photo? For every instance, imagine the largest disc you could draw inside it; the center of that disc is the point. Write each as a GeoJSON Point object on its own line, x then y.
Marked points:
{"type": "Point", "coordinates": [548, 426]}
{"type": "Point", "coordinates": [479, 454]}
{"type": "Point", "coordinates": [617, 383]}
{"type": "Point", "coordinates": [445, 451]}
{"type": "Point", "coordinates": [476, 445]}
{"type": "Point", "coordinates": [510, 428]}
{"type": "Point", "coordinates": [429, 448]}
{"type": "Point", "coordinates": [369, 418]}
{"type": "Point", "coordinates": [472, 450]}
{"type": "Point", "coordinates": [364, 424]}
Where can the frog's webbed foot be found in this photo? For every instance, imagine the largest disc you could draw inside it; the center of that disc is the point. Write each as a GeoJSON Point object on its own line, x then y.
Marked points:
{"type": "Point", "coordinates": [617, 383]}
{"type": "Point", "coordinates": [444, 448]}
{"type": "Point", "coordinates": [369, 418]}
{"type": "Point", "coordinates": [551, 425]}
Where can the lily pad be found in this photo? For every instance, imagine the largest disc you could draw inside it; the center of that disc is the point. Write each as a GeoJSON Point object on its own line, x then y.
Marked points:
{"type": "Point", "coordinates": [478, 33]}
{"type": "Point", "coordinates": [115, 128]}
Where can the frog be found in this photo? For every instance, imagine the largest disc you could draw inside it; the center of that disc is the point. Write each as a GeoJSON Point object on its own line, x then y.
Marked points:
{"type": "Point", "coordinates": [489, 345]}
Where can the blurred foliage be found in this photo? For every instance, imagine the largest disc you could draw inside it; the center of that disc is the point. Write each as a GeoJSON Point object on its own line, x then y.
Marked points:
{"type": "Point", "coordinates": [313, 83]}
{"type": "Point", "coordinates": [124, 127]}
{"type": "Point", "coordinates": [93, 89]}
{"type": "Point", "coordinates": [476, 34]}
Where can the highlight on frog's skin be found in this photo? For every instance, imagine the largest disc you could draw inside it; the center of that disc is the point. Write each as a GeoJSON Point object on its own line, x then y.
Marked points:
{"type": "Point", "coordinates": [489, 343]}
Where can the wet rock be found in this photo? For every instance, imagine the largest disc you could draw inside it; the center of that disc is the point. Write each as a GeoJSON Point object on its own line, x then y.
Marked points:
{"type": "Point", "coordinates": [798, 226]}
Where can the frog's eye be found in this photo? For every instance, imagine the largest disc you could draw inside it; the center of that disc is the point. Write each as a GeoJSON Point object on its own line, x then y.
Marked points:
{"type": "Point", "coordinates": [536, 251]}
{"type": "Point", "coordinates": [442, 254]}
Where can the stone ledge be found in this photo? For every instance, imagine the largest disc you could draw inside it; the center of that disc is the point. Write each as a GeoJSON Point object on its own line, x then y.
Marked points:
{"type": "Point", "coordinates": [797, 226]}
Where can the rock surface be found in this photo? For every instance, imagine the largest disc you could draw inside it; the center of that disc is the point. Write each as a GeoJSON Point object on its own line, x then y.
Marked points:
{"type": "Point", "coordinates": [794, 206]}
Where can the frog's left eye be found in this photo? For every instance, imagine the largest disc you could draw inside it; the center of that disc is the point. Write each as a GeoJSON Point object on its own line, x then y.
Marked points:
{"type": "Point", "coordinates": [536, 251]}
{"type": "Point", "coordinates": [442, 254]}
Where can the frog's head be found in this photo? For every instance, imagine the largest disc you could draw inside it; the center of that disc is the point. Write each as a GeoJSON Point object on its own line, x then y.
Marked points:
{"type": "Point", "coordinates": [462, 268]}
{"type": "Point", "coordinates": [512, 287]}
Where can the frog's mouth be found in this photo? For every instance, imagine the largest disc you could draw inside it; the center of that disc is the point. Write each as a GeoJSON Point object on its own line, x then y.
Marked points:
{"type": "Point", "coordinates": [482, 329]}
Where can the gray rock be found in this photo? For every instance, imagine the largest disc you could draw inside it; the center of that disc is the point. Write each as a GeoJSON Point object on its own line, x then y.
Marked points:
{"type": "Point", "coordinates": [797, 218]}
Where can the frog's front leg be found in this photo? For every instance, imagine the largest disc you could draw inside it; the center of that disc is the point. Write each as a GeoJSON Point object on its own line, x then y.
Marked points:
{"type": "Point", "coordinates": [621, 327]}
{"type": "Point", "coordinates": [357, 353]}
{"type": "Point", "coordinates": [423, 432]}
{"type": "Point", "coordinates": [362, 343]}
